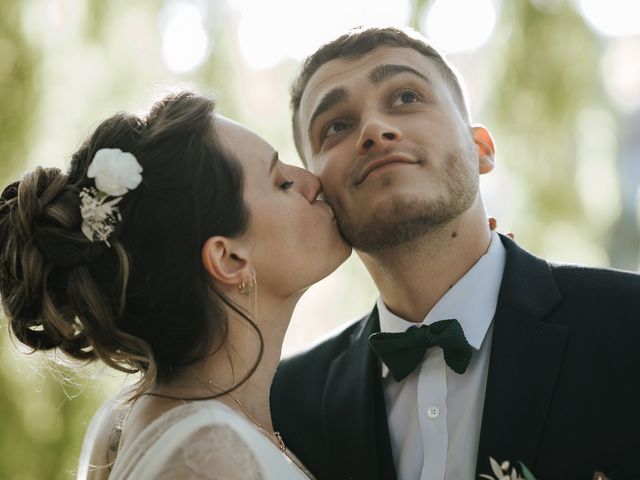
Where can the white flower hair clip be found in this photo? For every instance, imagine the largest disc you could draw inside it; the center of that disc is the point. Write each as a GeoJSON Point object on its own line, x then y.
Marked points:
{"type": "Point", "coordinates": [115, 172]}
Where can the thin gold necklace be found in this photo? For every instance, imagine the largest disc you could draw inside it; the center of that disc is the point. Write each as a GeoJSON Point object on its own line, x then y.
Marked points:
{"type": "Point", "coordinates": [208, 384]}
{"type": "Point", "coordinates": [275, 434]}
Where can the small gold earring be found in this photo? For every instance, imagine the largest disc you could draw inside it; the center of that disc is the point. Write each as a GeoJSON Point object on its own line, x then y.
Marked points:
{"type": "Point", "coordinates": [245, 288]}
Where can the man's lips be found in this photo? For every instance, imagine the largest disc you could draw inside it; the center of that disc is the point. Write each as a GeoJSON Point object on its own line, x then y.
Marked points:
{"type": "Point", "coordinates": [381, 162]}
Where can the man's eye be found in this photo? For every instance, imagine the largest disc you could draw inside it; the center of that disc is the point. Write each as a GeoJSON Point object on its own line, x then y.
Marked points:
{"type": "Point", "coordinates": [406, 97]}
{"type": "Point", "coordinates": [334, 128]}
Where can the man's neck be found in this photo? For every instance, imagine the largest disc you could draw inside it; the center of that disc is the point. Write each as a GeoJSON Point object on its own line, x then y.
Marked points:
{"type": "Point", "coordinates": [412, 277]}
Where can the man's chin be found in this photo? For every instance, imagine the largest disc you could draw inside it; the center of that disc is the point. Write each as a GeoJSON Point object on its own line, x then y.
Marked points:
{"type": "Point", "coordinates": [396, 221]}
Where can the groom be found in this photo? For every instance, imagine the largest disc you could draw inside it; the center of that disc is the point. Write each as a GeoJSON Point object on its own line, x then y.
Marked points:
{"type": "Point", "coordinates": [522, 360]}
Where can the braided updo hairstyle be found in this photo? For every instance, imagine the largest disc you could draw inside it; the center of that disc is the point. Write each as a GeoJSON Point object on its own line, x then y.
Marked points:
{"type": "Point", "coordinates": [143, 302]}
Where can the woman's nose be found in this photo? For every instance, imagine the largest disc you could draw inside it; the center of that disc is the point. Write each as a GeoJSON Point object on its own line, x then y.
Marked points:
{"type": "Point", "coordinates": [308, 184]}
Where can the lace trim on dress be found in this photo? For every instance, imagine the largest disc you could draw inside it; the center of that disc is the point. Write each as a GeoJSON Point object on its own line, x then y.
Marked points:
{"type": "Point", "coordinates": [213, 452]}
{"type": "Point", "coordinates": [204, 440]}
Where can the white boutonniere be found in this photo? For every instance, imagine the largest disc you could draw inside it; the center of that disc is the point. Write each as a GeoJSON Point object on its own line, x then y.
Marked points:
{"type": "Point", "coordinates": [115, 173]}
{"type": "Point", "coordinates": [501, 471]}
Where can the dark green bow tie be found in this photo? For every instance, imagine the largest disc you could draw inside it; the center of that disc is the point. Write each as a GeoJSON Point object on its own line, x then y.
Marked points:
{"type": "Point", "coordinates": [402, 352]}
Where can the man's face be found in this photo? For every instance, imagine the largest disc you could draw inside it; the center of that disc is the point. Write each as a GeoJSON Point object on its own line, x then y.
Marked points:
{"type": "Point", "coordinates": [395, 155]}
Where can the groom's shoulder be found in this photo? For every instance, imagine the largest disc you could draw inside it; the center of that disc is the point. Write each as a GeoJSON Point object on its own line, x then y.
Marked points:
{"type": "Point", "coordinates": [592, 297]}
{"type": "Point", "coordinates": [583, 280]}
{"type": "Point", "coordinates": [588, 282]}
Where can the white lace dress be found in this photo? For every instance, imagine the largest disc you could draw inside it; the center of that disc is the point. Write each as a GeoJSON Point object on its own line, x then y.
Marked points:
{"type": "Point", "coordinates": [199, 440]}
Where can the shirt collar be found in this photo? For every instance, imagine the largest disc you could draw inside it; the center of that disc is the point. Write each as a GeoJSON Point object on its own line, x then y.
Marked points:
{"type": "Point", "coordinates": [472, 300]}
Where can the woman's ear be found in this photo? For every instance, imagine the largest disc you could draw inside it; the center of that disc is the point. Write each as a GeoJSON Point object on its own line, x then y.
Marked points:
{"type": "Point", "coordinates": [485, 147]}
{"type": "Point", "coordinates": [226, 261]}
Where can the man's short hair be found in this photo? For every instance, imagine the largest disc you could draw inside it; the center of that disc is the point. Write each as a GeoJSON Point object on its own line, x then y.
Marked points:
{"type": "Point", "coordinates": [355, 44]}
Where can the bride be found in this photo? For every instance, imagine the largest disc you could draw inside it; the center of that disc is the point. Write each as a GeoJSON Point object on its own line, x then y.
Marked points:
{"type": "Point", "coordinates": [176, 246]}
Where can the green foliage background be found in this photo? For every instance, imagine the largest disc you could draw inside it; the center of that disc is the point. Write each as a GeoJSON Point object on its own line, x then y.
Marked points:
{"type": "Point", "coordinates": [543, 67]}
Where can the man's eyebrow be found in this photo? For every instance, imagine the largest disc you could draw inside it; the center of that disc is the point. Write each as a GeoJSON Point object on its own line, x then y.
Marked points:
{"type": "Point", "coordinates": [330, 99]}
{"type": "Point", "coordinates": [380, 73]}
{"type": "Point", "coordinates": [274, 161]}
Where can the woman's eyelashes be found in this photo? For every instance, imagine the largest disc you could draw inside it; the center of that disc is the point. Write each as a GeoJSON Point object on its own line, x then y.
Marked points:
{"type": "Point", "coordinates": [283, 181]}
{"type": "Point", "coordinates": [286, 185]}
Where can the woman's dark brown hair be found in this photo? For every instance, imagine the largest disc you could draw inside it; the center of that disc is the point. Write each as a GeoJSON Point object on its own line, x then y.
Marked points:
{"type": "Point", "coordinates": [145, 303]}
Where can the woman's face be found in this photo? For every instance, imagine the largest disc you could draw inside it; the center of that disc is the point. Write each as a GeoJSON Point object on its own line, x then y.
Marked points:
{"type": "Point", "coordinates": [293, 240]}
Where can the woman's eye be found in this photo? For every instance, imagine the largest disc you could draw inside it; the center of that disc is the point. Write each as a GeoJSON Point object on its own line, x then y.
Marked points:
{"type": "Point", "coordinates": [406, 97]}
{"type": "Point", "coordinates": [286, 185]}
{"type": "Point", "coordinates": [334, 128]}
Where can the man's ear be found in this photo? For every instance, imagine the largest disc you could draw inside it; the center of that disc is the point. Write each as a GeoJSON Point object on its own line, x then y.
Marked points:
{"type": "Point", "coordinates": [226, 261]}
{"type": "Point", "coordinates": [485, 147]}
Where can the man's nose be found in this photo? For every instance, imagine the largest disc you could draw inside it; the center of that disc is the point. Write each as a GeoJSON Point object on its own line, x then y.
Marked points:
{"type": "Point", "coordinates": [377, 134]}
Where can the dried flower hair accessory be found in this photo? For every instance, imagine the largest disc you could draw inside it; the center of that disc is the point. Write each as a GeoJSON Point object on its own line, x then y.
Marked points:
{"type": "Point", "coordinates": [115, 173]}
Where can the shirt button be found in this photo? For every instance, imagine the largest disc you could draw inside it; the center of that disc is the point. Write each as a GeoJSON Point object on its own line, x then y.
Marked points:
{"type": "Point", "coordinates": [433, 412]}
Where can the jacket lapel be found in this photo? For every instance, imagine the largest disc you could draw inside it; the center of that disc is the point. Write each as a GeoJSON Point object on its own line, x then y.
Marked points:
{"type": "Point", "coordinates": [526, 354]}
{"type": "Point", "coordinates": [355, 420]}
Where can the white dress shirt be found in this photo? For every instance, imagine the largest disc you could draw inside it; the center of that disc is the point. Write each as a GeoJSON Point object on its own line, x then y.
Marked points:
{"type": "Point", "coordinates": [435, 414]}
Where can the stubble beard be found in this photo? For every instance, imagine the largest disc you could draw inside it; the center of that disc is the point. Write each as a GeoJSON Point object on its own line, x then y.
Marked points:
{"type": "Point", "coordinates": [403, 220]}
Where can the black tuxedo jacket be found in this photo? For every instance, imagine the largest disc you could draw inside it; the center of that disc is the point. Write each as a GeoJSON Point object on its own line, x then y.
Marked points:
{"type": "Point", "coordinates": [562, 396]}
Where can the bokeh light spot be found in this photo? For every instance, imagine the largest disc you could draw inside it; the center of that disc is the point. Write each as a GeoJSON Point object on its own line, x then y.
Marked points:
{"type": "Point", "coordinates": [185, 42]}
{"type": "Point", "coordinates": [265, 40]}
{"type": "Point", "coordinates": [459, 25]}
{"type": "Point", "coordinates": [612, 17]}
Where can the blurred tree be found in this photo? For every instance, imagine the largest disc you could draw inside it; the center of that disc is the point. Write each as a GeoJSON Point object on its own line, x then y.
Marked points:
{"type": "Point", "coordinates": [41, 428]}
{"type": "Point", "coordinates": [625, 235]}
{"type": "Point", "coordinates": [544, 72]}
{"type": "Point", "coordinates": [418, 8]}
{"type": "Point", "coordinates": [19, 89]}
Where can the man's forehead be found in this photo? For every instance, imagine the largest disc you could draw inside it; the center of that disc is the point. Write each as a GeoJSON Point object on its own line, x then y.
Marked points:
{"type": "Point", "coordinates": [342, 71]}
